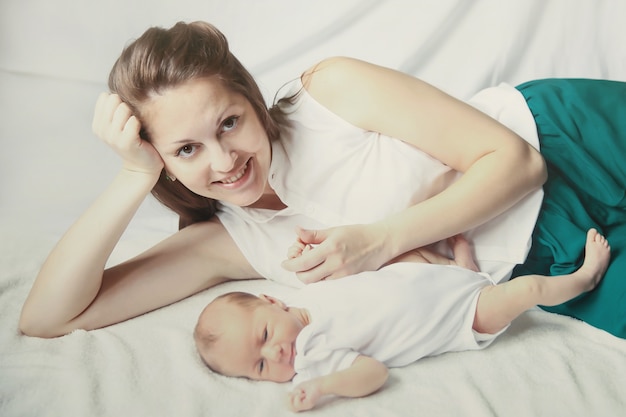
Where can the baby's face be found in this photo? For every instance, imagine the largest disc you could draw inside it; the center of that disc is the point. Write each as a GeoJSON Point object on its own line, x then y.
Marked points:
{"type": "Point", "coordinates": [256, 342]}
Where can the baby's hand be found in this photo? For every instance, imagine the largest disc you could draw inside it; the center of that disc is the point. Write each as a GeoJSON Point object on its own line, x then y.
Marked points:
{"type": "Point", "coordinates": [304, 396]}
{"type": "Point", "coordinates": [297, 249]}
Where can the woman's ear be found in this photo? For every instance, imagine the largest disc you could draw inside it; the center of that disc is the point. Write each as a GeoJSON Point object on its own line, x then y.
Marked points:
{"type": "Point", "coordinates": [273, 300]}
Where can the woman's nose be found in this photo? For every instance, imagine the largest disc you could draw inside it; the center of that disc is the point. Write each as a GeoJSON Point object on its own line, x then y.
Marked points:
{"type": "Point", "coordinates": [221, 158]}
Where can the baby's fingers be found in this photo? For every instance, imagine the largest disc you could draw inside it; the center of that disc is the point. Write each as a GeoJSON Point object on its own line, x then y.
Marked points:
{"type": "Point", "coordinates": [298, 249]}
{"type": "Point", "coordinates": [297, 400]}
{"type": "Point", "coordinates": [294, 400]}
{"type": "Point", "coordinates": [306, 261]}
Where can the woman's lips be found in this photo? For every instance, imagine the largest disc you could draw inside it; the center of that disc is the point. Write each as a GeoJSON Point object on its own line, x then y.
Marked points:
{"type": "Point", "coordinates": [238, 178]}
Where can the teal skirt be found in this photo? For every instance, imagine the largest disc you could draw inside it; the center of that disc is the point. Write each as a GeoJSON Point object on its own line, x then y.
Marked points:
{"type": "Point", "coordinates": [582, 134]}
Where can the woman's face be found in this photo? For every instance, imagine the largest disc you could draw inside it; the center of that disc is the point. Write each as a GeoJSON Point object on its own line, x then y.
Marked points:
{"type": "Point", "coordinates": [211, 140]}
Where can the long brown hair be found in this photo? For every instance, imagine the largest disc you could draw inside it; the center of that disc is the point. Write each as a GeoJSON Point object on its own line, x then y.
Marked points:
{"type": "Point", "coordinates": [165, 58]}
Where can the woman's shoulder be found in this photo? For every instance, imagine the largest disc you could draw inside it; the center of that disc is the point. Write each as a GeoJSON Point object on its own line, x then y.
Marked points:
{"type": "Point", "coordinates": [345, 86]}
{"type": "Point", "coordinates": [331, 66]}
{"type": "Point", "coordinates": [326, 77]}
{"type": "Point", "coordinates": [318, 99]}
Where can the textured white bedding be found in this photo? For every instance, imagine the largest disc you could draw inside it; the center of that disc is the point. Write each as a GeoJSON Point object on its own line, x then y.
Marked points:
{"type": "Point", "coordinates": [54, 59]}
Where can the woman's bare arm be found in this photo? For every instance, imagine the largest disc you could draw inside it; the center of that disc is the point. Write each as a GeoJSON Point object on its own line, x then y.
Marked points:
{"type": "Point", "coordinates": [74, 291]}
{"type": "Point", "coordinates": [499, 167]}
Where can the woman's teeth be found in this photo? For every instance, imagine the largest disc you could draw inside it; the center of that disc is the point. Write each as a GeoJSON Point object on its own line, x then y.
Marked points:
{"type": "Point", "coordinates": [235, 177]}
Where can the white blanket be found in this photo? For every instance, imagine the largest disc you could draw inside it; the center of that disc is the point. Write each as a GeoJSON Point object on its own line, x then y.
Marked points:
{"type": "Point", "coordinates": [54, 58]}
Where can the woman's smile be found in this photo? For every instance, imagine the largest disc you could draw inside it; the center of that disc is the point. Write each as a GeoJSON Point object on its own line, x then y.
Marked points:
{"type": "Point", "coordinates": [238, 178]}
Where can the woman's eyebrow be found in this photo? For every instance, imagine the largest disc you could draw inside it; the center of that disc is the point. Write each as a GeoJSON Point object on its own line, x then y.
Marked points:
{"type": "Point", "coordinates": [182, 141]}
{"type": "Point", "coordinates": [224, 111]}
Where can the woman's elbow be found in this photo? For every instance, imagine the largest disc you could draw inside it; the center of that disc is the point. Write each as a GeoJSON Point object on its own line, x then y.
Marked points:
{"type": "Point", "coordinates": [29, 326]}
{"type": "Point", "coordinates": [382, 374]}
{"type": "Point", "coordinates": [530, 165]}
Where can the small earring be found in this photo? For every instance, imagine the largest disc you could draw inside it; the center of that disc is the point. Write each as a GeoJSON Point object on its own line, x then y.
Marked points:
{"type": "Point", "coordinates": [169, 177]}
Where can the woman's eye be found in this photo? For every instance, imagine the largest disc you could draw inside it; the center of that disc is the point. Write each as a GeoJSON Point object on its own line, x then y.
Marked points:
{"type": "Point", "coordinates": [265, 335]}
{"type": "Point", "coordinates": [230, 123]}
{"type": "Point", "coordinates": [185, 151]}
{"type": "Point", "coordinates": [261, 366]}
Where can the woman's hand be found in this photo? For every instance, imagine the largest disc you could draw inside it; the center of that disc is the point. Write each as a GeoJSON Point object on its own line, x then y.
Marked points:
{"type": "Point", "coordinates": [338, 251]}
{"type": "Point", "coordinates": [115, 124]}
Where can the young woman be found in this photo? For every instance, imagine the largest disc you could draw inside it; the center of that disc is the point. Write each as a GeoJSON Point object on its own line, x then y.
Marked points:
{"type": "Point", "coordinates": [361, 161]}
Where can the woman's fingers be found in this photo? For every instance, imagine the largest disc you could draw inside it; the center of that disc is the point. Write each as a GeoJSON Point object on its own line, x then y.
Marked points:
{"type": "Point", "coordinates": [121, 114]}
{"type": "Point", "coordinates": [314, 265]}
{"type": "Point", "coordinates": [98, 114]}
{"type": "Point", "coordinates": [339, 251]}
{"type": "Point", "coordinates": [116, 125]}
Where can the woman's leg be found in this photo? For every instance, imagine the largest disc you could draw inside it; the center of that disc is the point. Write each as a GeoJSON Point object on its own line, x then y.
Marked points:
{"type": "Point", "coordinates": [500, 304]}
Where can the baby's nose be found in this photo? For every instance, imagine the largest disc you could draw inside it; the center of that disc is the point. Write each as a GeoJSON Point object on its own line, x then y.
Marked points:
{"type": "Point", "coordinates": [274, 352]}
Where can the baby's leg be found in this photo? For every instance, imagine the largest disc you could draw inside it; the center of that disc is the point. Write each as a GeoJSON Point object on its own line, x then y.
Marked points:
{"type": "Point", "coordinates": [461, 251]}
{"type": "Point", "coordinates": [423, 255]}
{"type": "Point", "coordinates": [498, 305]}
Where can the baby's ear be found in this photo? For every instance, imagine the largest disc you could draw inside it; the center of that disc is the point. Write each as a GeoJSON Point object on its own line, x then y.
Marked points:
{"type": "Point", "coordinates": [273, 300]}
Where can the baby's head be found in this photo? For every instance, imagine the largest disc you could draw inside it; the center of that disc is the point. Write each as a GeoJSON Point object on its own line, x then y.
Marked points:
{"type": "Point", "coordinates": [240, 334]}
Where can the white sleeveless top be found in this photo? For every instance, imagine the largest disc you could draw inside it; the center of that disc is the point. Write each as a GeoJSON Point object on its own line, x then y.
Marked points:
{"type": "Point", "coordinates": [329, 173]}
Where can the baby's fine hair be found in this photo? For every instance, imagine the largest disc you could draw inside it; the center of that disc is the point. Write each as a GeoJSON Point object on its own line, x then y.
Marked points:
{"type": "Point", "coordinates": [205, 336]}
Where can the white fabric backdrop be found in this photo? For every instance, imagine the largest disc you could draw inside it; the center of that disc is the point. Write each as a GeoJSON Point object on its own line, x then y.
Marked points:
{"type": "Point", "coordinates": [54, 60]}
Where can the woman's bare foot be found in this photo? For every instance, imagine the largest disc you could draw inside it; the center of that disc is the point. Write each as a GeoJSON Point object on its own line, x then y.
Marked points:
{"type": "Point", "coordinates": [462, 252]}
{"type": "Point", "coordinates": [597, 256]}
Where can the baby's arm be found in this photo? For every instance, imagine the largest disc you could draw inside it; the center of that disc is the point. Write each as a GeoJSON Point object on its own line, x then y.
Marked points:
{"type": "Point", "coordinates": [362, 378]}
